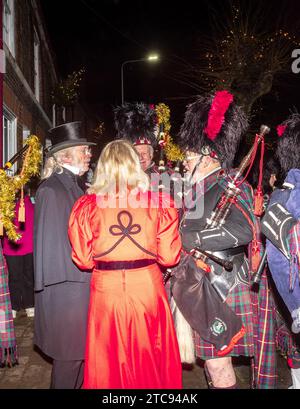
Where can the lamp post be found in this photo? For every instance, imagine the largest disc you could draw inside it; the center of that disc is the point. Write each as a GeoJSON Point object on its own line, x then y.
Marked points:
{"type": "Point", "coordinates": [150, 58]}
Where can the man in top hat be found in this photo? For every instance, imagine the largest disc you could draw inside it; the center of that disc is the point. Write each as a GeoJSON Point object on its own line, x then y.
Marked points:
{"type": "Point", "coordinates": [210, 135]}
{"type": "Point", "coordinates": [61, 289]}
{"type": "Point", "coordinates": [284, 262]}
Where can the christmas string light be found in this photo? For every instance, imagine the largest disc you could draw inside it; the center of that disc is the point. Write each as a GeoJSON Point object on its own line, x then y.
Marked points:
{"type": "Point", "coordinates": [67, 91]}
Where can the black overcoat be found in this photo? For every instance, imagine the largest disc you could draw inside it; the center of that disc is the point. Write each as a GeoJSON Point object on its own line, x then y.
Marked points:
{"type": "Point", "coordinates": [61, 289]}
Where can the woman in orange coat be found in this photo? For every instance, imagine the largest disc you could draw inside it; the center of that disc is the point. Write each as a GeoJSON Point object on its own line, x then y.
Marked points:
{"type": "Point", "coordinates": [122, 231]}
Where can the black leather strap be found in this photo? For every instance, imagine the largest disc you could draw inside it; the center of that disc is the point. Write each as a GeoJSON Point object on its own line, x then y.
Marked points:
{"type": "Point", "coordinates": [224, 254]}
{"type": "Point", "coordinates": [123, 265]}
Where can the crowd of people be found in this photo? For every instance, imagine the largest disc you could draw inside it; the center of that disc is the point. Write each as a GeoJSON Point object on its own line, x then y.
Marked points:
{"type": "Point", "coordinates": [118, 262]}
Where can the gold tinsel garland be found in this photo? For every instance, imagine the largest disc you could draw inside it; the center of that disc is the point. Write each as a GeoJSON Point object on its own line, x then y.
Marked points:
{"type": "Point", "coordinates": [9, 185]}
{"type": "Point", "coordinates": [163, 116]}
{"type": "Point", "coordinates": [172, 151]}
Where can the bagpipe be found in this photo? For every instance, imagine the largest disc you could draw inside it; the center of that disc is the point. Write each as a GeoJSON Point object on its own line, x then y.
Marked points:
{"type": "Point", "coordinates": [221, 211]}
{"type": "Point", "coordinates": [229, 197]}
{"type": "Point", "coordinates": [31, 155]}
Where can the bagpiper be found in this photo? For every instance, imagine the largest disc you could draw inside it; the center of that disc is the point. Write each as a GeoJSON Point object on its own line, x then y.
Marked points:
{"type": "Point", "coordinates": [211, 132]}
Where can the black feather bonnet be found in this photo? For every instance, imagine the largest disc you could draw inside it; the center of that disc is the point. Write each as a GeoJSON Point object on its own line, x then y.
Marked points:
{"type": "Point", "coordinates": [214, 121]}
{"type": "Point", "coordinates": [288, 146]}
{"type": "Point", "coordinates": [136, 122]}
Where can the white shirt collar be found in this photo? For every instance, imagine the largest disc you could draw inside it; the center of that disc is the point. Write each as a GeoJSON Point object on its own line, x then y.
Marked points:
{"type": "Point", "coordinates": [71, 168]}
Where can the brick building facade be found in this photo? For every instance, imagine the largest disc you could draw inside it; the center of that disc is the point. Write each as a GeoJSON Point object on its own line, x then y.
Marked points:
{"type": "Point", "coordinates": [30, 76]}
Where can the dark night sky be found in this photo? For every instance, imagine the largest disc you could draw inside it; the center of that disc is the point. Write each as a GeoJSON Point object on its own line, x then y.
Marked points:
{"type": "Point", "coordinates": [101, 34]}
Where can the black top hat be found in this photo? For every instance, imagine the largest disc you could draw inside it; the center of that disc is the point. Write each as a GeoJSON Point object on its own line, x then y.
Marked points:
{"type": "Point", "coordinates": [65, 136]}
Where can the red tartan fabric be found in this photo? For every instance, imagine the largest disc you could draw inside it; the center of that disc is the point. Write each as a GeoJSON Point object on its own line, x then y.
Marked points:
{"type": "Point", "coordinates": [287, 342]}
{"type": "Point", "coordinates": [8, 344]}
{"type": "Point", "coordinates": [264, 362]}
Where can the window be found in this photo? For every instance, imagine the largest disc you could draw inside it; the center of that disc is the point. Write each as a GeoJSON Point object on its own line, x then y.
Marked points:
{"type": "Point", "coordinates": [9, 138]}
{"type": "Point", "coordinates": [36, 53]}
{"type": "Point", "coordinates": [9, 25]}
{"type": "Point", "coordinates": [26, 133]}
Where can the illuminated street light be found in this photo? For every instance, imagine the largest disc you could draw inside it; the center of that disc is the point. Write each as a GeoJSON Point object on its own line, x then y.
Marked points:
{"type": "Point", "coordinates": [151, 57]}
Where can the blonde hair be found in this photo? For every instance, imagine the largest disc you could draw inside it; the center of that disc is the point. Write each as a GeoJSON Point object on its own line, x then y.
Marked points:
{"type": "Point", "coordinates": [54, 163]}
{"type": "Point", "coordinates": [118, 169]}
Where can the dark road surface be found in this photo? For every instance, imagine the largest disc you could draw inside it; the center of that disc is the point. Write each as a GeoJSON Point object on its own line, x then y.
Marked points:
{"type": "Point", "coordinates": [33, 371]}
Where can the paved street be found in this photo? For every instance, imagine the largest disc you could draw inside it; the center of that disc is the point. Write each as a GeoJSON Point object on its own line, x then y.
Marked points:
{"type": "Point", "coordinates": [33, 371]}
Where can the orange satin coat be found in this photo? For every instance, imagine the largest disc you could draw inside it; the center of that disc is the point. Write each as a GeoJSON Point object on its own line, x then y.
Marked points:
{"type": "Point", "coordinates": [131, 341]}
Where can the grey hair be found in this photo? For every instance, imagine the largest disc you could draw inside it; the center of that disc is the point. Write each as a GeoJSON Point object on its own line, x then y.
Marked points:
{"type": "Point", "coordinates": [54, 162]}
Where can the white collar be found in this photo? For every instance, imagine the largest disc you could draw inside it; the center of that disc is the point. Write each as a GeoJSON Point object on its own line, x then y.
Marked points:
{"type": "Point", "coordinates": [288, 185]}
{"type": "Point", "coordinates": [71, 168]}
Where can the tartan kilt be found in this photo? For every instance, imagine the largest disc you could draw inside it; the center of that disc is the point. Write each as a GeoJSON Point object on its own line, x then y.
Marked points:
{"type": "Point", "coordinates": [240, 302]}
{"type": "Point", "coordinates": [265, 358]}
{"type": "Point", "coordinates": [8, 344]}
{"type": "Point", "coordinates": [286, 342]}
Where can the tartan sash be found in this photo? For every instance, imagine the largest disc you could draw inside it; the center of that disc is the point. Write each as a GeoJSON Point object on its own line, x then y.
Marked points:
{"type": "Point", "coordinates": [8, 344]}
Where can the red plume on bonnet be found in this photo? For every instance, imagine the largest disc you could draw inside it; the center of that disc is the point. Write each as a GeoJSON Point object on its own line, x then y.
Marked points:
{"type": "Point", "coordinates": [288, 145]}
{"type": "Point", "coordinates": [219, 107]}
{"type": "Point", "coordinates": [280, 129]}
{"type": "Point", "coordinates": [214, 120]}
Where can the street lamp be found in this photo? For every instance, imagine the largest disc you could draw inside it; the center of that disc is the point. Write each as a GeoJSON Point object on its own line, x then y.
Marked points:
{"type": "Point", "coordinates": [150, 58]}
